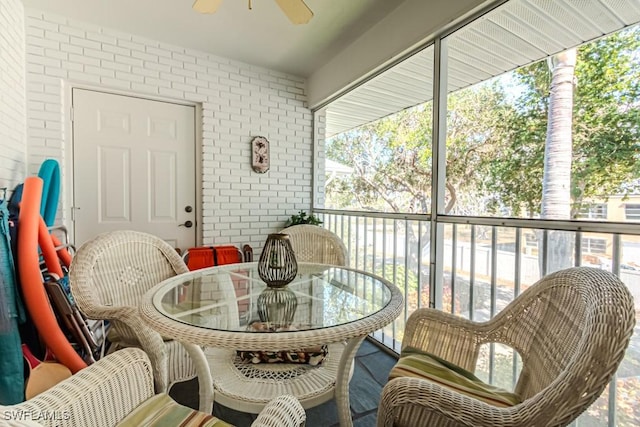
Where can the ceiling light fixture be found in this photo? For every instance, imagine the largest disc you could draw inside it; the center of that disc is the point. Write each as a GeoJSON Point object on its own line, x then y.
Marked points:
{"type": "Point", "coordinates": [296, 10]}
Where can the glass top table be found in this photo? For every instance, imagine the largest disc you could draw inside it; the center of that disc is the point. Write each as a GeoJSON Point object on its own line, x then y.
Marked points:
{"type": "Point", "coordinates": [227, 308]}
{"type": "Point", "coordinates": [234, 297]}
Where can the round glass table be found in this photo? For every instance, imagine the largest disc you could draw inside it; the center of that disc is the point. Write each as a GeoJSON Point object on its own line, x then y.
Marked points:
{"type": "Point", "coordinates": [228, 309]}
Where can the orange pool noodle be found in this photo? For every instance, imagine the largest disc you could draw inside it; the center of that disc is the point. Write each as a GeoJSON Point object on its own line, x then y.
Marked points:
{"type": "Point", "coordinates": [35, 295]}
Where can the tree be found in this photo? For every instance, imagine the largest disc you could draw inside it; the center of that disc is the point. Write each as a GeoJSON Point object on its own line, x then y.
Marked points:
{"type": "Point", "coordinates": [391, 162]}
{"type": "Point", "coordinates": [556, 182]}
{"type": "Point", "coordinates": [495, 146]}
{"type": "Point", "coordinates": [391, 157]}
{"type": "Point", "coordinates": [605, 129]}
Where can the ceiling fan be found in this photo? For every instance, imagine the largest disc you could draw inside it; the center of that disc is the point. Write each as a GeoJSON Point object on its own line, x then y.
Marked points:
{"type": "Point", "coordinates": [296, 10]}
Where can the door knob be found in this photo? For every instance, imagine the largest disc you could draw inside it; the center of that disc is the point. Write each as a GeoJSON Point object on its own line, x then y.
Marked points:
{"type": "Point", "coordinates": [187, 224]}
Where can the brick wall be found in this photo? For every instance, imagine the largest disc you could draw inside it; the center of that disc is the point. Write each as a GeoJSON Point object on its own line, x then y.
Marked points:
{"type": "Point", "coordinates": [238, 101]}
{"type": "Point", "coordinates": [12, 94]}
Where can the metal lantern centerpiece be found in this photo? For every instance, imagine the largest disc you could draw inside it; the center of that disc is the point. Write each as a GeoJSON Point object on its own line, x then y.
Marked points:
{"type": "Point", "coordinates": [277, 266]}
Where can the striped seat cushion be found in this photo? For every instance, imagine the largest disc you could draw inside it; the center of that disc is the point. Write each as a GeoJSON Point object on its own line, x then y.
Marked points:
{"type": "Point", "coordinates": [162, 411]}
{"type": "Point", "coordinates": [417, 364]}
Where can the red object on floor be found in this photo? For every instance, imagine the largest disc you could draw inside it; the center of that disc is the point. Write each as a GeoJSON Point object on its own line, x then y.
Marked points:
{"type": "Point", "coordinates": [227, 255]}
{"type": "Point", "coordinates": [201, 257]}
{"type": "Point", "coordinates": [209, 256]}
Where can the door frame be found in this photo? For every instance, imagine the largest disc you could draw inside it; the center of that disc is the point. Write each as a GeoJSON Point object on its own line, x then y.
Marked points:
{"type": "Point", "coordinates": [68, 180]}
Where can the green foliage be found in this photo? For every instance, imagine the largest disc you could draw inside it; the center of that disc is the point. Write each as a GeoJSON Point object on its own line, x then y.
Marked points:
{"type": "Point", "coordinates": [302, 218]}
{"type": "Point", "coordinates": [495, 152]}
{"type": "Point", "coordinates": [407, 282]}
{"type": "Point", "coordinates": [495, 143]}
{"type": "Point", "coordinates": [606, 128]}
{"type": "Point", "coordinates": [478, 121]}
{"type": "Point", "coordinates": [391, 160]}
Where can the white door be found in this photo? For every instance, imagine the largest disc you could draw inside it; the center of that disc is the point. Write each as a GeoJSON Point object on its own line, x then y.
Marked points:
{"type": "Point", "coordinates": [133, 167]}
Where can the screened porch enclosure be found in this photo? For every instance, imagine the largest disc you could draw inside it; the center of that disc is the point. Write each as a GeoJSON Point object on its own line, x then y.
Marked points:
{"type": "Point", "coordinates": [440, 171]}
{"type": "Point", "coordinates": [493, 262]}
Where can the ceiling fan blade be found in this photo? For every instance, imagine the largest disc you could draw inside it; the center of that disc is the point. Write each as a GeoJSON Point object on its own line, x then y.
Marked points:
{"type": "Point", "coordinates": [296, 10]}
{"type": "Point", "coordinates": [206, 6]}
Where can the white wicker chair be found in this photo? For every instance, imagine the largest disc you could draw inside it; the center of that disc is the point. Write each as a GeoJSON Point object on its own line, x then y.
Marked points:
{"type": "Point", "coordinates": [571, 329]}
{"type": "Point", "coordinates": [102, 395]}
{"type": "Point", "coordinates": [312, 243]}
{"type": "Point", "coordinates": [108, 276]}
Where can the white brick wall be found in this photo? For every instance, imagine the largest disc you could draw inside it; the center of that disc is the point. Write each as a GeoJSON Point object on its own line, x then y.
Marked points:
{"type": "Point", "coordinates": [238, 101]}
{"type": "Point", "coordinates": [13, 145]}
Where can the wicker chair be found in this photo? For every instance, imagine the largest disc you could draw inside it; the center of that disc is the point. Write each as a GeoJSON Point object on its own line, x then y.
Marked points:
{"type": "Point", "coordinates": [571, 329]}
{"type": "Point", "coordinates": [104, 393]}
{"type": "Point", "coordinates": [108, 276]}
{"type": "Point", "coordinates": [312, 243]}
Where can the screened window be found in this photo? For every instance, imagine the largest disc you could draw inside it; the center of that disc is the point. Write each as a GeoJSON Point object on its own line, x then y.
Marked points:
{"type": "Point", "coordinates": [498, 155]}
{"type": "Point", "coordinates": [504, 157]}
{"type": "Point", "coordinates": [377, 142]}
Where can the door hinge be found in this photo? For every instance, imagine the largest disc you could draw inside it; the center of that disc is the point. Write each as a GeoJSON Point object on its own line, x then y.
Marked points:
{"type": "Point", "coordinates": [71, 113]}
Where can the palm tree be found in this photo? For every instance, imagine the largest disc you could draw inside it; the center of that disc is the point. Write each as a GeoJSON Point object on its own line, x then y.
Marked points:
{"type": "Point", "coordinates": [556, 185]}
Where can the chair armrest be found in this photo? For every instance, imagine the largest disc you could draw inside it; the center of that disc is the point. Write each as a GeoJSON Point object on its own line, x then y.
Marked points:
{"type": "Point", "coordinates": [427, 403]}
{"type": "Point", "coordinates": [145, 337]}
{"type": "Point", "coordinates": [99, 395]}
{"type": "Point", "coordinates": [283, 411]}
{"type": "Point", "coordinates": [450, 337]}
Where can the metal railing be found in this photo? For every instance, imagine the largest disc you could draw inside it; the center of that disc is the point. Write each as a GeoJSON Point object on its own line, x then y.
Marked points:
{"type": "Point", "coordinates": [483, 264]}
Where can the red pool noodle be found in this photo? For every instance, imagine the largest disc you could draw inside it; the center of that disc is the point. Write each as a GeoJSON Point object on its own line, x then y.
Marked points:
{"type": "Point", "coordinates": [63, 253]}
{"type": "Point", "coordinates": [48, 249]}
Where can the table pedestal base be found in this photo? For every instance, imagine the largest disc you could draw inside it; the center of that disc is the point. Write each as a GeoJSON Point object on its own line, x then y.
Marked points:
{"type": "Point", "coordinates": [248, 387]}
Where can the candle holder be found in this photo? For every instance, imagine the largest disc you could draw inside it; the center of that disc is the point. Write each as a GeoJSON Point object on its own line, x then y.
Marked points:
{"type": "Point", "coordinates": [277, 266]}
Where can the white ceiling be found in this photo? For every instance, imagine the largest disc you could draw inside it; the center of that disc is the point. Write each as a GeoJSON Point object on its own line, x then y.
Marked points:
{"type": "Point", "coordinates": [517, 33]}
{"type": "Point", "coordinates": [262, 36]}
